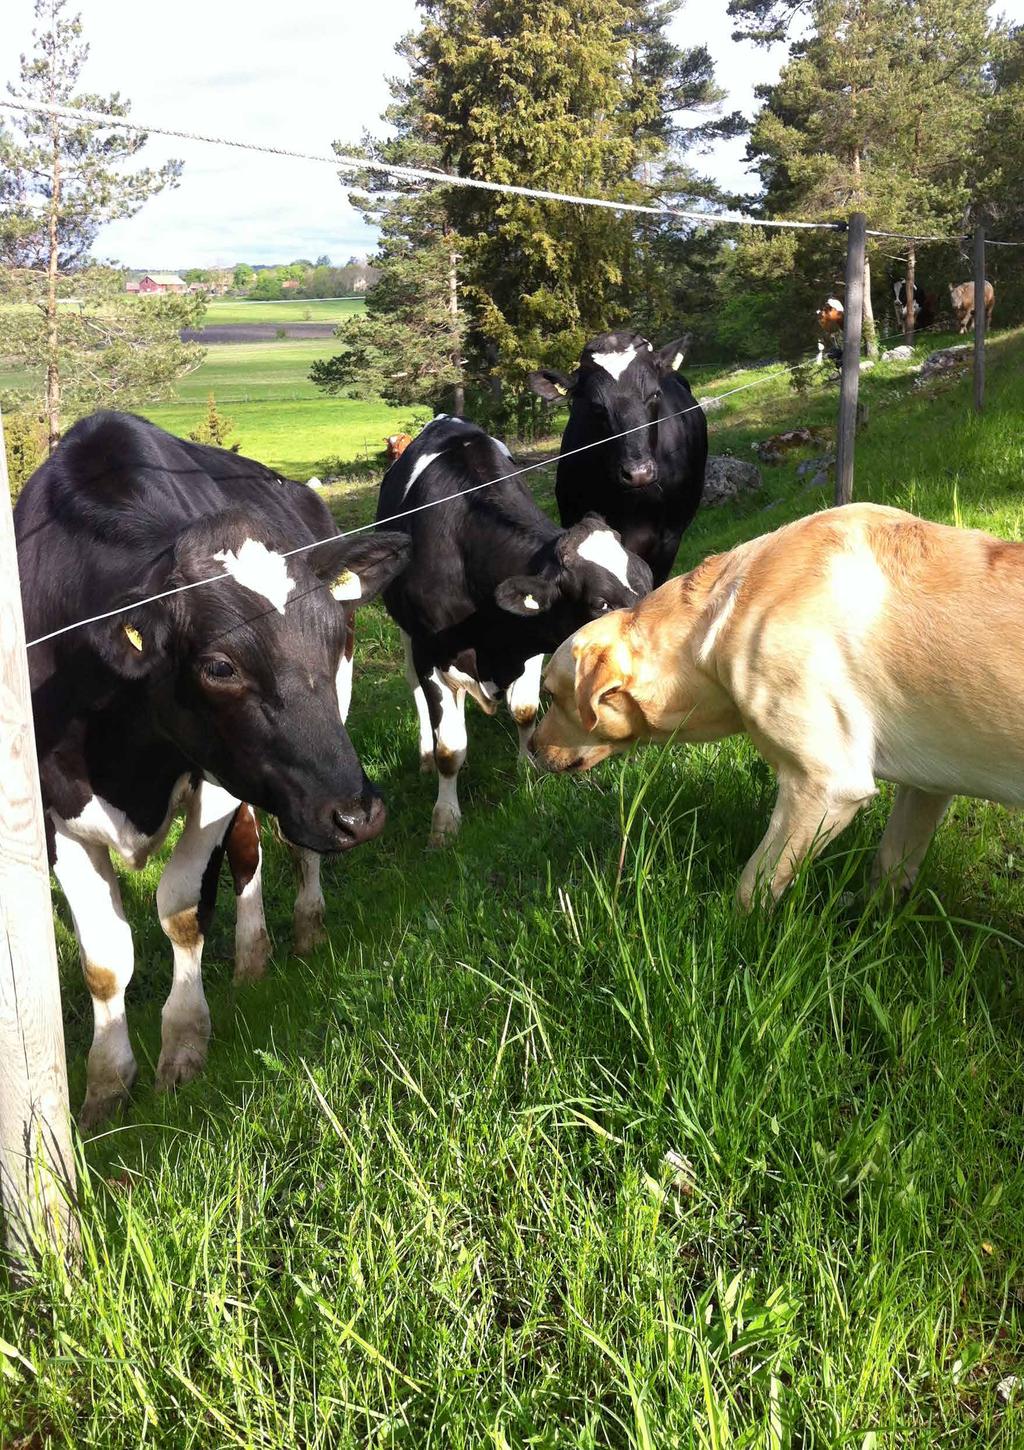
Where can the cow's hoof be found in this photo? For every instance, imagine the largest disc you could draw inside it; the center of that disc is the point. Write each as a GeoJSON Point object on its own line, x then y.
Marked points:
{"type": "Point", "coordinates": [105, 1097]}
{"type": "Point", "coordinates": [251, 958]}
{"type": "Point", "coordinates": [183, 1053]}
{"type": "Point", "coordinates": [309, 931]}
{"type": "Point", "coordinates": [444, 827]}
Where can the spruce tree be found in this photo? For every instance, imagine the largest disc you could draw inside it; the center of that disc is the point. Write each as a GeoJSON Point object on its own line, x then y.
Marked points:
{"type": "Point", "coordinates": [64, 181]}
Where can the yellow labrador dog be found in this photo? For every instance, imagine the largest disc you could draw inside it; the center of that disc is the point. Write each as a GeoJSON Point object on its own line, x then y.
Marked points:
{"type": "Point", "coordinates": [857, 644]}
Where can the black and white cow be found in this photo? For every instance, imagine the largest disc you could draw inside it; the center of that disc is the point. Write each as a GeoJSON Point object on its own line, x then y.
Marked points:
{"type": "Point", "coordinates": [491, 587]}
{"type": "Point", "coordinates": [925, 304]}
{"type": "Point", "coordinates": [647, 484]}
{"type": "Point", "coordinates": [229, 692]}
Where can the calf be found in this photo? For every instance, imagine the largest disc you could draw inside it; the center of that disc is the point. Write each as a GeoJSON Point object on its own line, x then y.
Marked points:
{"type": "Point", "coordinates": [925, 304]}
{"type": "Point", "coordinates": [492, 585]}
{"type": "Point", "coordinates": [396, 445]}
{"type": "Point", "coordinates": [962, 298]}
{"type": "Point", "coordinates": [191, 702]}
{"type": "Point", "coordinates": [648, 483]}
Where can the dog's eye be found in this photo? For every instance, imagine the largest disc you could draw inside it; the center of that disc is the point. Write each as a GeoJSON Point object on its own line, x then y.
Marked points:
{"type": "Point", "coordinates": [218, 669]}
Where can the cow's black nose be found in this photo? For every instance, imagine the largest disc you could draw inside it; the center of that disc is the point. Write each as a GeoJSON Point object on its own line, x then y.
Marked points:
{"type": "Point", "coordinates": [356, 822]}
{"type": "Point", "coordinates": [640, 474]}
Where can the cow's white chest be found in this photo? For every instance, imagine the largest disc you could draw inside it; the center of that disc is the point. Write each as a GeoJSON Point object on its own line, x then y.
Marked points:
{"type": "Point", "coordinates": [102, 824]}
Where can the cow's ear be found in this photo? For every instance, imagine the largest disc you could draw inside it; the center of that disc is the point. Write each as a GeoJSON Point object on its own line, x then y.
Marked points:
{"type": "Point", "coordinates": [552, 386]}
{"type": "Point", "coordinates": [526, 594]}
{"type": "Point", "coordinates": [669, 359]}
{"type": "Point", "coordinates": [135, 643]}
{"type": "Point", "coordinates": [356, 569]}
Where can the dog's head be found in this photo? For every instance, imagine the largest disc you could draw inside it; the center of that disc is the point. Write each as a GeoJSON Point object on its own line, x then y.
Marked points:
{"type": "Point", "coordinates": [592, 712]}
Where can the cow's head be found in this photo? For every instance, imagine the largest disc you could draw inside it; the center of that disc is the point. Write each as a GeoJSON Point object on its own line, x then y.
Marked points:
{"type": "Point", "coordinates": [588, 574]}
{"type": "Point", "coordinates": [242, 673]}
{"type": "Point", "coordinates": [617, 389]}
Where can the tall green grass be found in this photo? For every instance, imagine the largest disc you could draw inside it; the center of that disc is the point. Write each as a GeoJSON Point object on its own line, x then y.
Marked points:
{"type": "Point", "coordinates": [548, 1147]}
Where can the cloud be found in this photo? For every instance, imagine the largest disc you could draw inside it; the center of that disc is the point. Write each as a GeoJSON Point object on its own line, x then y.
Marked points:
{"type": "Point", "coordinates": [299, 84]}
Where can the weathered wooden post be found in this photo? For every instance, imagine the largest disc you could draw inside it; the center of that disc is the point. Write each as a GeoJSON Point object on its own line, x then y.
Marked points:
{"type": "Point", "coordinates": [849, 387]}
{"type": "Point", "coordinates": [37, 1166]}
{"type": "Point", "coordinates": [979, 319]}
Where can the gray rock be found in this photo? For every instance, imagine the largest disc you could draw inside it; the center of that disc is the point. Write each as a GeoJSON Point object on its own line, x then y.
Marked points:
{"type": "Point", "coordinates": [903, 353]}
{"type": "Point", "coordinates": [948, 361]}
{"type": "Point", "coordinates": [726, 478]}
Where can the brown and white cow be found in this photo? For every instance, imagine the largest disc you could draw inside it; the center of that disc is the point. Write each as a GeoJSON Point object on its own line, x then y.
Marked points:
{"type": "Point", "coordinates": [396, 445]}
{"type": "Point", "coordinates": [962, 298]}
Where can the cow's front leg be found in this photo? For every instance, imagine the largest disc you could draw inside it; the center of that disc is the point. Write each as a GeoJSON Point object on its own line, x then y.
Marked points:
{"type": "Point", "coordinates": [426, 728]}
{"type": "Point", "coordinates": [245, 857]}
{"type": "Point", "coordinates": [448, 716]}
{"type": "Point", "coordinates": [523, 697]}
{"type": "Point", "coordinates": [185, 899]}
{"type": "Point", "coordinates": [309, 902]}
{"type": "Point", "coordinates": [90, 884]}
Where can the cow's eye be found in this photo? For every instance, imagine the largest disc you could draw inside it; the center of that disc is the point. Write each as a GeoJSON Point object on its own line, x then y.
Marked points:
{"type": "Point", "coordinates": [218, 669]}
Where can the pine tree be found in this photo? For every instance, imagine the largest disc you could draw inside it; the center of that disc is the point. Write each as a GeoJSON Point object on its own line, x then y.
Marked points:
{"type": "Point", "coordinates": [878, 109]}
{"type": "Point", "coordinates": [581, 99]}
{"type": "Point", "coordinates": [64, 181]}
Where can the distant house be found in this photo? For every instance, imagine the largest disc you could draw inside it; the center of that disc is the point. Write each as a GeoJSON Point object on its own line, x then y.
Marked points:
{"type": "Point", "coordinates": [159, 282]}
{"type": "Point", "coordinates": [131, 286]}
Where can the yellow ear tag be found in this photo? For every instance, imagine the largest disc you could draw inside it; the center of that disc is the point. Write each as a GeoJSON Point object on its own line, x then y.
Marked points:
{"type": "Point", "coordinates": [560, 390]}
{"type": "Point", "coordinates": [134, 637]}
{"type": "Point", "coordinates": [347, 585]}
{"type": "Point", "coordinates": [530, 603]}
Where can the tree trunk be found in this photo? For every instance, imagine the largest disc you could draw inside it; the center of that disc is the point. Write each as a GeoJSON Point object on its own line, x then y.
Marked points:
{"type": "Point", "coordinates": [459, 390]}
{"type": "Point", "coordinates": [870, 334]}
{"type": "Point", "coordinates": [52, 341]}
{"type": "Point", "coordinates": [908, 321]}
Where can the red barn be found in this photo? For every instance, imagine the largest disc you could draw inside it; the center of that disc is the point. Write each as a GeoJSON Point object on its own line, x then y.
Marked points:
{"type": "Point", "coordinates": [159, 282]}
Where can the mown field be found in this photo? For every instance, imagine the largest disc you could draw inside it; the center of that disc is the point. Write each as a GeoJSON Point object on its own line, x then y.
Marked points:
{"type": "Point", "coordinates": [297, 309]}
{"type": "Point", "coordinates": [279, 416]}
{"type": "Point", "coordinates": [548, 1147]}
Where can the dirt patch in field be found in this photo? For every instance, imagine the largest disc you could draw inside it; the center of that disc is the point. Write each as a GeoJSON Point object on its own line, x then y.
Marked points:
{"type": "Point", "coordinates": [256, 331]}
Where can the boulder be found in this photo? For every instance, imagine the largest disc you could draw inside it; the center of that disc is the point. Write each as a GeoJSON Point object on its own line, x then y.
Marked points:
{"type": "Point", "coordinates": [726, 478]}
{"type": "Point", "coordinates": [947, 362]}
{"type": "Point", "coordinates": [903, 353]}
{"type": "Point", "coordinates": [774, 449]}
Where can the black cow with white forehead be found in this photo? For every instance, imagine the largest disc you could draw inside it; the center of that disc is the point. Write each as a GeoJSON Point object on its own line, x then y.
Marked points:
{"type": "Point", "coordinates": [491, 587]}
{"type": "Point", "coordinates": [648, 483]}
{"type": "Point", "coordinates": [212, 696]}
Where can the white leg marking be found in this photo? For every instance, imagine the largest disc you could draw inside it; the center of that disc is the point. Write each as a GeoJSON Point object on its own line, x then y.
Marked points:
{"type": "Point", "coordinates": [186, 1018]}
{"type": "Point", "coordinates": [309, 902]}
{"type": "Point", "coordinates": [422, 709]}
{"type": "Point", "coordinates": [523, 697]}
{"type": "Point", "coordinates": [89, 882]}
{"type": "Point", "coordinates": [450, 754]}
{"type": "Point", "coordinates": [252, 940]}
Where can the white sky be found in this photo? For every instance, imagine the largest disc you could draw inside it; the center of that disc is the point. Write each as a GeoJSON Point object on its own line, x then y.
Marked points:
{"type": "Point", "coordinates": [299, 83]}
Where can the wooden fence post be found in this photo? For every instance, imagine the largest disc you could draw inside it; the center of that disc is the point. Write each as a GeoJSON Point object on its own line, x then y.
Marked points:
{"type": "Point", "coordinates": [979, 320]}
{"type": "Point", "coordinates": [849, 387]}
{"type": "Point", "coordinates": [37, 1165]}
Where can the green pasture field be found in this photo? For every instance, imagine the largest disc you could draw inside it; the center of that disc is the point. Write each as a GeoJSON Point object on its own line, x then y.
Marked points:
{"type": "Point", "coordinates": [221, 310]}
{"type": "Point", "coordinates": [547, 1146]}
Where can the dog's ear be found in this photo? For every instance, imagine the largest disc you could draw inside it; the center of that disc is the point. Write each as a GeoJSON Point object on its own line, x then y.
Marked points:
{"type": "Point", "coordinates": [599, 674]}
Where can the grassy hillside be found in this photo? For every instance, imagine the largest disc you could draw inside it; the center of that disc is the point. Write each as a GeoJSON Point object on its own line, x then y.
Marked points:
{"type": "Point", "coordinates": [547, 1147]}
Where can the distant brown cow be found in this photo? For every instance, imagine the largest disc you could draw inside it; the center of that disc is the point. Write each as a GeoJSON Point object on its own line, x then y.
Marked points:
{"type": "Point", "coordinates": [396, 445]}
{"type": "Point", "coordinates": [962, 298]}
{"type": "Point", "coordinates": [831, 317]}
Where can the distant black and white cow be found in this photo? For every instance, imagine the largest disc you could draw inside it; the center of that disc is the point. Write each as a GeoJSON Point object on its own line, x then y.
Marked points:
{"type": "Point", "coordinates": [647, 484]}
{"type": "Point", "coordinates": [492, 586]}
{"type": "Point", "coordinates": [925, 304]}
{"type": "Point", "coordinates": [193, 703]}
